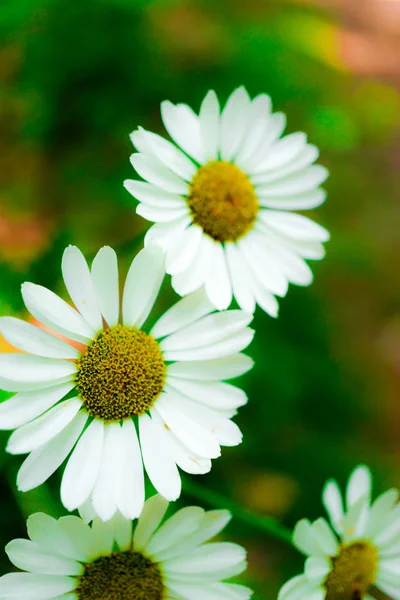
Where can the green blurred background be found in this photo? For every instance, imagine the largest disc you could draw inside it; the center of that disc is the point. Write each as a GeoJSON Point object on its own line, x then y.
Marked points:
{"type": "Point", "coordinates": [77, 77]}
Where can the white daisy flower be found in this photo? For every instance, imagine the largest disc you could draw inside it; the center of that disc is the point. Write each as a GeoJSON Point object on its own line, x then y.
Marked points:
{"type": "Point", "coordinates": [359, 551]}
{"type": "Point", "coordinates": [71, 560]}
{"type": "Point", "coordinates": [127, 397]}
{"type": "Point", "coordinates": [221, 196]}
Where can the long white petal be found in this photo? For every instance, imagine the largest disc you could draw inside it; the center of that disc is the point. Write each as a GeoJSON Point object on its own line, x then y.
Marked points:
{"type": "Point", "coordinates": [104, 491]}
{"type": "Point", "coordinates": [142, 285]}
{"type": "Point", "coordinates": [218, 284]}
{"type": "Point", "coordinates": [40, 431]}
{"type": "Point", "coordinates": [183, 252]}
{"type": "Point", "coordinates": [78, 281]}
{"type": "Point", "coordinates": [184, 128]}
{"type": "Point", "coordinates": [234, 122]}
{"type": "Point", "coordinates": [149, 521]}
{"type": "Point", "coordinates": [20, 372]}
{"type": "Point", "coordinates": [240, 278]}
{"type": "Point", "coordinates": [35, 340]}
{"type": "Point", "coordinates": [43, 462]}
{"type": "Point", "coordinates": [30, 586]}
{"type": "Point", "coordinates": [83, 467]}
{"type": "Point", "coordinates": [153, 171]}
{"type": "Point", "coordinates": [182, 314]}
{"type": "Point", "coordinates": [105, 281]}
{"type": "Point", "coordinates": [153, 196]}
{"type": "Point", "coordinates": [130, 489]}
{"type": "Point", "coordinates": [160, 466]}
{"type": "Point", "coordinates": [29, 556]}
{"type": "Point", "coordinates": [26, 406]}
{"type": "Point", "coordinates": [210, 125]}
{"type": "Point", "coordinates": [216, 394]}
{"type": "Point", "coordinates": [56, 314]}
{"type": "Point", "coordinates": [211, 370]}
{"type": "Point", "coordinates": [170, 156]}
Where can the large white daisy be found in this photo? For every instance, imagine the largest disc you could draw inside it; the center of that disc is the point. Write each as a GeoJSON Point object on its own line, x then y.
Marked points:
{"type": "Point", "coordinates": [360, 551]}
{"type": "Point", "coordinates": [71, 560]}
{"type": "Point", "coordinates": [126, 397]}
{"type": "Point", "coordinates": [221, 196]}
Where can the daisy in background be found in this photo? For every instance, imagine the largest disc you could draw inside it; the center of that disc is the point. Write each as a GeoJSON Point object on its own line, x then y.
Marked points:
{"type": "Point", "coordinates": [221, 195]}
{"type": "Point", "coordinates": [71, 560]}
{"type": "Point", "coordinates": [359, 551]}
{"type": "Point", "coordinates": [127, 398]}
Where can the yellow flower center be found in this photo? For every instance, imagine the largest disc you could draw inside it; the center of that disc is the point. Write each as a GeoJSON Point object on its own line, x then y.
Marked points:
{"type": "Point", "coordinates": [222, 200]}
{"type": "Point", "coordinates": [354, 570]}
{"type": "Point", "coordinates": [121, 576]}
{"type": "Point", "coordinates": [120, 374]}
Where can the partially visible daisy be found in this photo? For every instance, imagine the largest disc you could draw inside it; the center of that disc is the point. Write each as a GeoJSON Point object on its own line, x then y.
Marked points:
{"type": "Point", "coordinates": [71, 560]}
{"type": "Point", "coordinates": [127, 397]}
{"type": "Point", "coordinates": [221, 196]}
{"type": "Point", "coordinates": [359, 551]}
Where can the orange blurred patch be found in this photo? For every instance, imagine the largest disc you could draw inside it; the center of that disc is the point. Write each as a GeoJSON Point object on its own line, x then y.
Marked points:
{"type": "Point", "coordinates": [269, 493]}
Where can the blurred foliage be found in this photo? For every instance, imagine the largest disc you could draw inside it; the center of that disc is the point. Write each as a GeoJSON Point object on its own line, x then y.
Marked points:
{"type": "Point", "coordinates": [75, 79]}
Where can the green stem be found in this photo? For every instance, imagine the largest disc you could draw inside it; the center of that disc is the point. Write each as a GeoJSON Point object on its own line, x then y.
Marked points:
{"type": "Point", "coordinates": [265, 524]}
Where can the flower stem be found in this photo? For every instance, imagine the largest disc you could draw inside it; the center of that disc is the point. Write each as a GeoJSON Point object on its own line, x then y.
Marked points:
{"type": "Point", "coordinates": [266, 524]}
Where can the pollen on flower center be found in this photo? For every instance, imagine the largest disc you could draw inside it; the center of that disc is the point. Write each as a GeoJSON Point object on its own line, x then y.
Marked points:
{"type": "Point", "coordinates": [354, 570]}
{"type": "Point", "coordinates": [222, 201]}
{"type": "Point", "coordinates": [120, 374]}
{"type": "Point", "coordinates": [121, 576]}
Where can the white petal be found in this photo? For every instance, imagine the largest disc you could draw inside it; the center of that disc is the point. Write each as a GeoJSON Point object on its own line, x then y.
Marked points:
{"type": "Point", "coordinates": [68, 536]}
{"type": "Point", "coordinates": [180, 315]}
{"type": "Point", "coordinates": [216, 394]}
{"type": "Point", "coordinates": [83, 467]}
{"type": "Point", "coordinates": [161, 215]}
{"type": "Point", "coordinates": [26, 406]}
{"type": "Point", "coordinates": [262, 295]}
{"type": "Point", "coordinates": [104, 492]}
{"type": "Point", "coordinates": [159, 465]}
{"type": "Point", "coordinates": [20, 372]}
{"type": "Point", "coordinates": [203, 591]}
{"type": "Point", "coordinates": [305, 540]}
{"type": "Point", "coordinates": [103, 535]}
{"type": "Point", "coordinates": [239, 275]}
{"type": "Point", "coordinates": [182, 524]}
{"type": "Point", "coordinates": [183, 252]}
{"type": "Point", "coordinates": [263, 180]}
{"type": "Point", "coordinates": [44, 461]}
{"type": "Point", "coordinates": [130, 491]}
{"type": "Point", "coordinates": [276, 124]}
{"type": "Point", "coordinates": [29, 556]}
{"type": "Point", "coordinates": [29, 586]}
{"type": "Point", "coordinates": [225, 431]}
{"type": "Point", "coordinates": [214, 521]}
{"type": "Point", "coordinates": [212, 328]}
{"type": "Point", "coordinates": [297, 202]}
{"type": "Point", "coordinates": [283, 152]}
{"type": "Point", "coordinates": [257, 129]}
{"type": "Point", "coordinates": [325, 537]}
{"type": "Point", "coordinates": [297, 183]}
{"type": "Point", "coordinates": [142, 285]}
{"type": "Point", "coordinates": [165, 234]}
{"type": "Point", "coordinates": [153, 196]}
{"type": "Point", "coordinates": [169, 155]}
{"type": "Point", "coordinates": [218, 285]}
{"type": "Point", "coordinates": [78, 281]}
{"type": "Point", "coordinates": [234, 120]}
{"type": "Point", "coordinates": [38, 432]}
{"type": "Point", "coordinates": [122, 531]}
{"type": "Point", "coordinates": [153, 171]}
{"type": "Point", "coordinates": [230, 345]}
{"type": "Point", "coordinates": [294, 226]}
{"type": "Point", "coordinates": [192, 435]}
{"type": "Point", "coordinates": [195, 275]}
{"type": "Point", "coordinates": [211, 370]}
{"type": "Point", "coordinates": [379, 511]}
{"type": "Point", "coordinates": [263, 264]}
{"type": "Point", "coordinates": [151, 517]}
{"type": "Point", "coordinates": [184, 128]}
{"type": "Point", "coordinates": [105, 281]}
{"type": "Point", "coordinates": [317, 568]}
{"type": "Point", "coordinates": [211, 561]}
{"type": "Point", "coordinates": [56, 314]}
{"type": "Point", "coordinates": [209, 125]}
{"type": "Point", "coordinates": [359, 485]}
{"type": "Point", "coordinates": [35, 340]}
{"type": "Point", "coordinates": [333, 502]}
{"type": "Point", "coordinates": [186, 459]}
{"type": "Point", "coordinates": [296, 588]}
